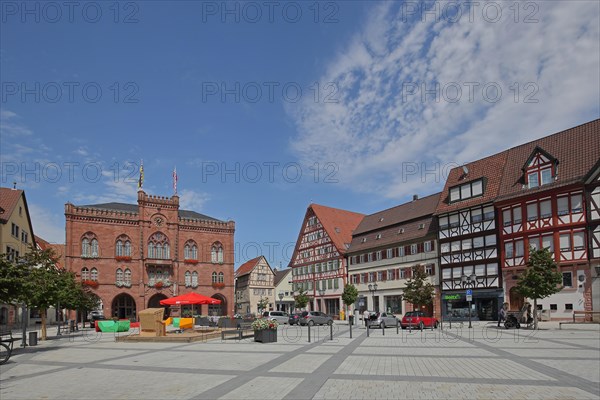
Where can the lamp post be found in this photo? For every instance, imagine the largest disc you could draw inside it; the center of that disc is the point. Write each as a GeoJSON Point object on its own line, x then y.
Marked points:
{"type": "Point", "coordinates": [280, 299]}
{"type": "Point", "coordinates": [373, 289]}
{"type": "Point", "coordinates": [322, 294]}
{"type": "Point", "coordinates": [468, 280]}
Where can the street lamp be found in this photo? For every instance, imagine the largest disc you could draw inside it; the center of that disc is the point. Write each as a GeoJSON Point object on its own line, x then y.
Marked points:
{"type": "Point", "coordinates": [373, 289]}
{"type": "Point", "coordinates": [322, 293]}
{"type": "Point", "coordinates": [280, 299]}
{"type": "Point", "coordinates": [469, 281]}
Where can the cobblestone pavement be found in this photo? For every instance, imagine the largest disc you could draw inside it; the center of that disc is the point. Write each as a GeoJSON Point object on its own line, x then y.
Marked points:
{"type": "Point", "coordinates": [483, 362]}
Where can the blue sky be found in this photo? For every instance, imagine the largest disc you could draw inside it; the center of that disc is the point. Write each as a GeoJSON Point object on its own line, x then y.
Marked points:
{"type": "Point", "coordinates": [267, 107]}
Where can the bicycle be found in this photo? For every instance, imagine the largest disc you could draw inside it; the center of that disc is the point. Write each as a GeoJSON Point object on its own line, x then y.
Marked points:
{"type": "Point", "coordinates": [5, 352]}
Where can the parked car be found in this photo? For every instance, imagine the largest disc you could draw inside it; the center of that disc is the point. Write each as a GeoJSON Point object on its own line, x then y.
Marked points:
{"type": "Point", "coordinates": [95, 316]}
{"type": "Point", "coordinates": [279, 316]}
{"type": "Point", "coordinates": [418, 319]}
{"type": "Point", "coordinates": [315, 318]}
{"type": "Point", "coordinates": [383, 320]}
{"type": "Point", "coordinates": [295, 318]}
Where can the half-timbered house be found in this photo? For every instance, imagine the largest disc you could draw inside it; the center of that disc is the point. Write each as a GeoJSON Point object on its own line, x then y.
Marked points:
{"type": "Point", "coordinates": [542, 203]}
{"type": "Point", "coordinates": [318, 262]}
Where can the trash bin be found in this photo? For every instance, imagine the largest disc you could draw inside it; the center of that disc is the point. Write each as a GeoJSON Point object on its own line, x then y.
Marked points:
{"type": "Point", "coordinates": [33, 338]}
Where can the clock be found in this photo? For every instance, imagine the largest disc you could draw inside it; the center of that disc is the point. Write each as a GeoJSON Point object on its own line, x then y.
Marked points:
{"type": "Point", "coordinates": [158, 221]}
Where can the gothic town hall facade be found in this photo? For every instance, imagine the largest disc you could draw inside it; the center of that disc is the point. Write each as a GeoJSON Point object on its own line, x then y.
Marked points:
{"type": "Point", "coordinates": [134, 255]}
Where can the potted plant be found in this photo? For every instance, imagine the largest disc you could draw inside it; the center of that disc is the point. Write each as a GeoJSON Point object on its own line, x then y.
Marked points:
{"type": "Point", "coordinates": [265, 331]}
{"type": "Point", "coordinates": [123, 258]}
{"type": "Point", "coordinates": [158, 285]}
{"type": "Point", "coordinates": [218, 285]}
{"type": "Point", "coordinates": [90, 283]}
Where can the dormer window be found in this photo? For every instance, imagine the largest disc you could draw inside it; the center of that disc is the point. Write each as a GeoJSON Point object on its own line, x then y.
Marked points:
{"type": "Point", "coordinates": [364, 240]}
{"type": "Point", "coordinates": [540, 169]}
{"type": "Point", "coordinates": [466, 190]}
{"type": "Point", "coordinates": [378, 236]}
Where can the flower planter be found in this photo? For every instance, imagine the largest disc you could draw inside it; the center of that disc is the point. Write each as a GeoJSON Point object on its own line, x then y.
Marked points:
{"type": "Point", "coordinates": [265, 335]}
{"type": "Point", "coordinates": [218, 286]}
{"type": "Point", "coordinates": [123, 258]}
{"type": "Point", "coordinates": [190, 261]}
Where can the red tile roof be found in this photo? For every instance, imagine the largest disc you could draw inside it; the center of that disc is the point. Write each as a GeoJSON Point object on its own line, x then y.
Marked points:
{"type": "Point", "coordinates": [8, 201]}
{"type": "Point", "coordinates": [247, 267]}
{"type": "Point", "coordinates": [339, 224]}
{"type": "Point", "coordinates": [577, 151]}
{"type": "Point", "coordinates": [491, 168]}
{"type": "Point", "coordinates": [59, 249]}
{"type": "Point", "coordinates": [388, 223]}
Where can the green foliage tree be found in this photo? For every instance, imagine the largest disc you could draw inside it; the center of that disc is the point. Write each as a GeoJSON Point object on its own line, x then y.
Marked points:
{"type": "Point", "coordinates": [263, 303]}
{"type": "Point", "coordinates": [540, 280]}
{"type": "Point", "coordinates": [418, 290]}
{"type": "Point", "coordinates": [36, 281]}
{"type": "Point", "coordinates": [301, 299]}
{"type": "Point", "coordinates": [349, 295]}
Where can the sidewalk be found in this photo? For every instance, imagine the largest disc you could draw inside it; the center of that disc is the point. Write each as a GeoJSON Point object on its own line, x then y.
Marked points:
{"type": "Point", "coordinates": [483, 362]}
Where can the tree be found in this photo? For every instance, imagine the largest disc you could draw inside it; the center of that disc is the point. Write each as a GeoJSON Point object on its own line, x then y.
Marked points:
{"type": "Point", "coordinates": [418, 290]}
{"type": "Point", "coordinates": [541, 278]}
{"type": "Point", "coordinates": [263, 303]}
{"type": "Point", "coordinates": [301, 299]}
{"type": "Point", "coordinates": [349, 295]}
{"type": "Point", "coordinates": [36, 281]}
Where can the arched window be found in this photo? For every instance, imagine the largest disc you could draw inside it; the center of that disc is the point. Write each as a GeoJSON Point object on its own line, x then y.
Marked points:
{"type": "Point", "coordinates": [123, 246]}
{"type": "Point", "coordinates": [127, 277]}
{"type": "Point", "coordinates": [216, 253]}
{"type": "Point", "coordinates": [190, 250]}
{"type": "Point", "coordinates": [188, 278]}
{"type": "Point", "coordinates": [120, 275]}
{"type": "Point", "coordinates": [94, 274]}
{"type": "Point", "coordinates": [194, 279]}
{"type": "Point", "coordinates": [158, 247]}
{"type": "Point", "coordinates": [85, 274]}
{"type": "Point", "coordinates": [94, 247]}
{"type": "Point", "coordinates": [221, 277]}
{"type": "Point", "coordinates": [89, 245]}
{"type": "Point", "coordinates": [215, 277]}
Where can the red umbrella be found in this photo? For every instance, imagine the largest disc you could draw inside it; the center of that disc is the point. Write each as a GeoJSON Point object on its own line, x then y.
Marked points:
{"type": "Point", "coordinates": [189, 298]}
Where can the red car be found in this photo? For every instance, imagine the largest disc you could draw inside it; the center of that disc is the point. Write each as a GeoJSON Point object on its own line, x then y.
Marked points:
{"type": "Point", "coordinates": [418, 319]}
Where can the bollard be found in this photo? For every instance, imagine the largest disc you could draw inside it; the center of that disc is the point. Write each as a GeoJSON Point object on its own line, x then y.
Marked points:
{"type": "Point", "coordinates": [397, 327]}
{"type": "Point", "coordinates": [367, 330]}
{"type": "Point", "coordinates": [331, 332]}
{"type": "Point", "coordinates": [351, 319]}
{"type": "Point", "coordinates": [383, 330]}
{"type": "Point", "coordinates": [308, 333]}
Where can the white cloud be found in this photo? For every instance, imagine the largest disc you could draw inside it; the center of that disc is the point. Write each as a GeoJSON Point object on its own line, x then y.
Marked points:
{"type": "Point", "coordinates": [192, 200]}
{"type": "Point", "coordinates": [378, 129]}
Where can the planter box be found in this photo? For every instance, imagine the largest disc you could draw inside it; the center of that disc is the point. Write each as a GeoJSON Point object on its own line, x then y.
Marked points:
{"type": "Point", "coordinates": [265, 336]}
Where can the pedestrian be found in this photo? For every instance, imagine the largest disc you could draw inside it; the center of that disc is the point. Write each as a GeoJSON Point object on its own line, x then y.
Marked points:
{"type": "Point", "coordinates": [529, 315]}
{"type": "Point", "coordinates": [502, 313]}
{"type": "Point", "coordinates": [366, 317]}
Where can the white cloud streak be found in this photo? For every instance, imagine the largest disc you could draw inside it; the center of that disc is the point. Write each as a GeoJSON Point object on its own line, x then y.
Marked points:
{"type": "Point", "coordinates": [378, 131]}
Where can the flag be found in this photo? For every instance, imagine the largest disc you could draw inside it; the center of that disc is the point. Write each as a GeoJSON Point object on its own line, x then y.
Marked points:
{"type": "Point", "coordinates": [141, 180]}
{"type": "Point", "coordinates": [175, 180]}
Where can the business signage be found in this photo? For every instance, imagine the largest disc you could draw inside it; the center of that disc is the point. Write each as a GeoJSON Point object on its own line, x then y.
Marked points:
{"type": "Point", "coordinates": [452, 297]}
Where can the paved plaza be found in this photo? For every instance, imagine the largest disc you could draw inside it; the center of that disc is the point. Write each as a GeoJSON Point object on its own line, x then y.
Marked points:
{"type": "Point", "coordinates": [483, 362]}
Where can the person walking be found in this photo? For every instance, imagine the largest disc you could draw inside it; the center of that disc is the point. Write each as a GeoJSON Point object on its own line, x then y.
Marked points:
{"type": "Point", "coordinates": [502, 314]}
{"type": "Point", "coordinates": [366, 315]}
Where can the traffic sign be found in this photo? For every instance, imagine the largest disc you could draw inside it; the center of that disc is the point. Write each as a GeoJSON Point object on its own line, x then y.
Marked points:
{"type": "Point", "coordinates": [469, 292]}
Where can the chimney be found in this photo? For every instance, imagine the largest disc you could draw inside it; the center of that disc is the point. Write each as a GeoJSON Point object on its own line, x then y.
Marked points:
{"type": "Point", "coordinates": [415, 197]}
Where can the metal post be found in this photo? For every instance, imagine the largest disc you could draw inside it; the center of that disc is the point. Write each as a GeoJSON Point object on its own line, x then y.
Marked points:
{"type": "Point", "coordinates": [470, 315]}
{"type": "Point", "coordinates": [367, 329]}
{"type": "Point", "coordinates": [331, 332]}
{"type": "Point", "coordinates": [308, 333]}
{"type": "Point", "coordinates": [351, 321]}
{"type": "Point", "coordinates": [383, 330]}
{"type": "Point", "coordinates": [24, 325]}
{"type": "Point", "coordinates": [397, 327]}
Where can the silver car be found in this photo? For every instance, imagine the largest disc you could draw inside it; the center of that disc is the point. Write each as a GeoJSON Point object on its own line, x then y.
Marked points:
{"type": "Point", "coordinates": [382, 320]}
{"type": "Point", "coordinates": [315, 318]}
{"type": "Point", "coordinates": [279, 316]}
